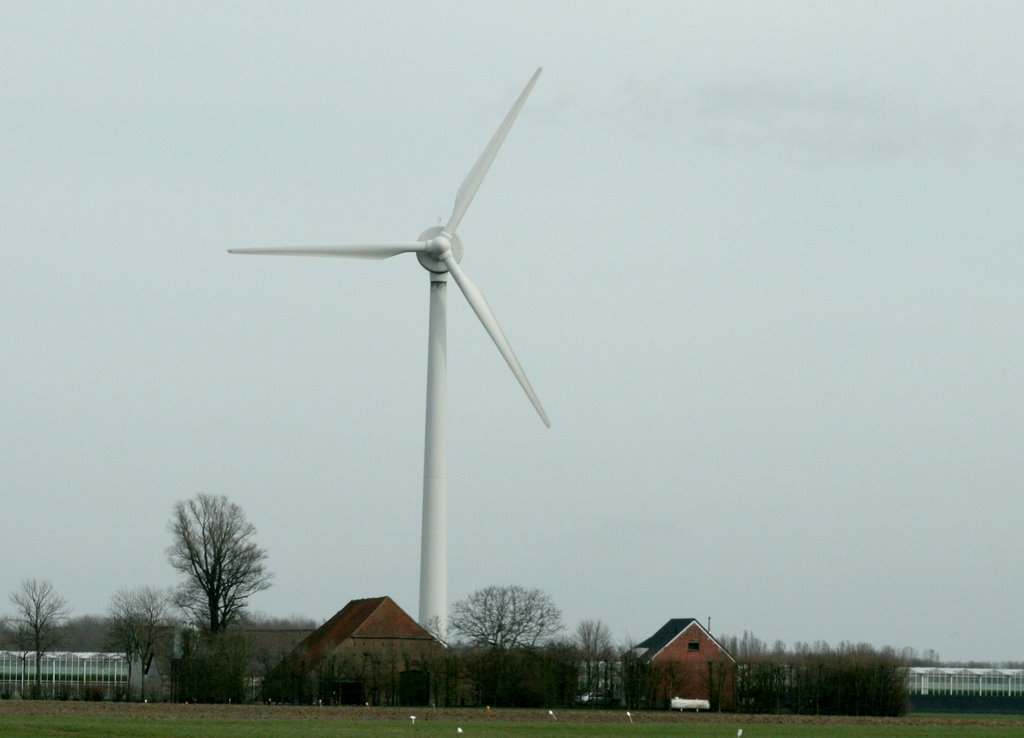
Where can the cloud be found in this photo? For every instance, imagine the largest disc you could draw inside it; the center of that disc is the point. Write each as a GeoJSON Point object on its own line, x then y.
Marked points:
{"type": "Point", "coordinates": [810, 125]}
{"type": "Point", "coordinates": [815, 125]}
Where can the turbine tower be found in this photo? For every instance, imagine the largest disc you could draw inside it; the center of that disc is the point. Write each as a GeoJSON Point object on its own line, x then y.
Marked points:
{"type": "Point", "coordinates": [439, 251]}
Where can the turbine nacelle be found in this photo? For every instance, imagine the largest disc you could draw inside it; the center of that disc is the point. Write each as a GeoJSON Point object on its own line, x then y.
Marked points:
{"type": "Point", "coordinates": [439, 246]}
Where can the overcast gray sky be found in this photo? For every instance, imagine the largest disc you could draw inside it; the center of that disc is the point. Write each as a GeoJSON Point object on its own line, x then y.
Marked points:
{"type": "Point", "coordinates": [761, 261]}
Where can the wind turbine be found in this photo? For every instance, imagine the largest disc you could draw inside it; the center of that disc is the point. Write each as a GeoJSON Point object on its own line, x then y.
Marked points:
{"type": "Point", "coordinates": [439, 250]}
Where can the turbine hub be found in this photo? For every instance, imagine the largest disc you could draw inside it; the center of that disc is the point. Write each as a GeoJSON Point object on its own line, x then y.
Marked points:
{"type": "Point", "coordinates": [439, 242]}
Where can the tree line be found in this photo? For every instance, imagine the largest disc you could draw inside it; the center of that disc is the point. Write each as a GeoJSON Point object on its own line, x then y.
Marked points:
{"type": "Point", "coordinates": [819, 679]}
{"type": "Point", "coordinates": [506, 644]}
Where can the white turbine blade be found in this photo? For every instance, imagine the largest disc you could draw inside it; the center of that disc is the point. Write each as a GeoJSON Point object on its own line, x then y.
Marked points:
{"type": "Point", "coordinates": [479, 171]}
{"type": "Point", "coordinates": [351, 251]}
{"type": "Point", "coordinates": [483, 311]}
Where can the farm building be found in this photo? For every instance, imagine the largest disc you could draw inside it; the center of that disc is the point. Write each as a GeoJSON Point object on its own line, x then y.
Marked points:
{"type": "Point", "coordinates": [371, 651]}
{"type": "Point", "coordinates": [962, 689]}
{"type": "Point", "coordinates": [166, 672]}
{"type": "Point", "coordinates": [682, 659]}
{"type": "Point", "coordinates": [266, 648]}
{"type": "Point", "coordinates": [65, 674]}
{"type": "Point", "coordinates": [966, 681]}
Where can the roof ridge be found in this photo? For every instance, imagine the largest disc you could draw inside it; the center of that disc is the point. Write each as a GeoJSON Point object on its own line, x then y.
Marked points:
{"type": "Point", "coordinates": [368, 617]}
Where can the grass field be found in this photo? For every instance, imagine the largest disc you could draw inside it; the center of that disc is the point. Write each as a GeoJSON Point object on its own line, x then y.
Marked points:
{"type": "Point", "coordinates": [83, 720]}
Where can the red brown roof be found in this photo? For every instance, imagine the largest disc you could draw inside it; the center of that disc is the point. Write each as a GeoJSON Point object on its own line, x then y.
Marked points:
{"type": "Point", "coordinates": [373, 617]}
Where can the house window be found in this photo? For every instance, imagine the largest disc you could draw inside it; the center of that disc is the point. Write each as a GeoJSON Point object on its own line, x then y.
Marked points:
{"type": "Point", "coordinates": [693, 646]}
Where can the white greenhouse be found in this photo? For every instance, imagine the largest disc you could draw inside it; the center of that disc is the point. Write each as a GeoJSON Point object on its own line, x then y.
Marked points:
{"type": "Point", "coordinates": [67, 674]}
{"type": "Point", "coordinates": [937, 680]}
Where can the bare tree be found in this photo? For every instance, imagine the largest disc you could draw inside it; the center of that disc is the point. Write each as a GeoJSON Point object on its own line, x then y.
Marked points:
{"type": "Point", "coordinates": [596, 651]}
{"type": "Point", "coordinates": [265, 621]}
{"type": "Point", "coordinates": [745, 648]}
{"type": "Point", "coordinates": [213, 548]}
{"type": "Point", "coordinates": [39, 613]}
{"type": "Point", "coordinates": [136, 621]}
{"type": "Point", "coordinates": [506, 617]}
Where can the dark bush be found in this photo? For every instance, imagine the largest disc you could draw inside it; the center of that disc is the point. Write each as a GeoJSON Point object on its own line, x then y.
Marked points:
{"type": "Point", "coordinates": [849, 680]}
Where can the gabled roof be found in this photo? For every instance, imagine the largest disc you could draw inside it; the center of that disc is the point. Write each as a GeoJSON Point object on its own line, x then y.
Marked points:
{"type": "Point", "coordinates": [667, 633]}
{"type": "Point", "coordinates": [373, 617]}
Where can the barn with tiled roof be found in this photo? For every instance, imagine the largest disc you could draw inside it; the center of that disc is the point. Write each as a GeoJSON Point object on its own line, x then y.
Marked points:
{"type": "Point", "coordinates": [371, 651]}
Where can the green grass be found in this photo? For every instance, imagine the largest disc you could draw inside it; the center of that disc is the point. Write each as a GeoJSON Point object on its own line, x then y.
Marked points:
{"type": "Point", "coordinates": [37, 726]}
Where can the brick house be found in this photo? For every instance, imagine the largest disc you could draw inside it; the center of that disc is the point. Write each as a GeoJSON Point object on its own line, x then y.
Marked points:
{"type": "Point", "coordinates": [371, 652]}
{"type": "Point", "coordinates": [682, 659]}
